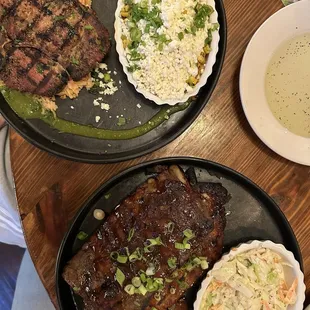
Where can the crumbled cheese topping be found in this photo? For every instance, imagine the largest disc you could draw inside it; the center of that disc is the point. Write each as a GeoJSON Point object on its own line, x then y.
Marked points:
{"type": "Point", "coordinates": [97, 118]}
{"type": "Point", "coordinates": [103, 66]}
{"type": "Point", "coordinates": [104, 81]}
{"type": "Point", "coordinates": [96, 102]}
{"type": "Point", "coordinates": [105, 106]}
{"type": "Point", "coordinates": [164, 60]}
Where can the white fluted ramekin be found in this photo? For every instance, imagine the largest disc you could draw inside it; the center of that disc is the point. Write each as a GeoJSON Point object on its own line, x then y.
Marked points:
{"type": "Point", "coordinates": [203, 79]}
{"type": "Point", "coordinates": [290, 273]}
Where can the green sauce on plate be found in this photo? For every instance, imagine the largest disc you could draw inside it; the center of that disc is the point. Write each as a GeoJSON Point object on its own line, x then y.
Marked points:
{"type": "Point", "coordinates": [26, 107]}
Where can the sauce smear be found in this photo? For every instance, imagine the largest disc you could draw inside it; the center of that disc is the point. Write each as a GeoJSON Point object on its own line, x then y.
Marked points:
{"type": "Point", "coordinates": [26, 107]}
{"type": "Point", "coordinates": [287, 85]}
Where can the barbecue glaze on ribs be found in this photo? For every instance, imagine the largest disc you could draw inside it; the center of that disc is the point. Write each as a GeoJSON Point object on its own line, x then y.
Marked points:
{"type": "Point", "coordinates": [166, 198]}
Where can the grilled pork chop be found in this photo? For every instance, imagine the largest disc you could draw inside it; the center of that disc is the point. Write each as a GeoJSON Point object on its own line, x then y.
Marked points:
{"type": "Point", "coordinates": [29, 70]}
{"type": "Point", "coordinates": [68, 36]}
{"type": "Point", "coordinates": [164, 208]}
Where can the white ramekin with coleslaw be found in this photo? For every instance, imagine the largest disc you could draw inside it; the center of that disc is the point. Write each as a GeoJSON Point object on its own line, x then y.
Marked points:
{"type": "Point", "coordinates": [256, 275]}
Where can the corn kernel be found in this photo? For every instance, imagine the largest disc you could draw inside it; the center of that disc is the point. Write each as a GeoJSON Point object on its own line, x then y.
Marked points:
{"type": "Point", "coordinates": [124, 14]}
{"type": "Point", "coordinates": [207, 49]}
{"type": "Point", "coordinates": [192, 81]}
{"type": "Point", "coordinates": [201, 59]}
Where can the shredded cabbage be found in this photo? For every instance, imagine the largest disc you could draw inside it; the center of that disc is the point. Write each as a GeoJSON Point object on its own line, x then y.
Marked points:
{"type": "Point", "coordinates": [251, 280]}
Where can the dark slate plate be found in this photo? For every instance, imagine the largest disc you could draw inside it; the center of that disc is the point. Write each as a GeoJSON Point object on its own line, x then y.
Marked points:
{"type": "Point", "coordinates": [251, 215]}
{"type": "Point", "coordinates": [123, 102]}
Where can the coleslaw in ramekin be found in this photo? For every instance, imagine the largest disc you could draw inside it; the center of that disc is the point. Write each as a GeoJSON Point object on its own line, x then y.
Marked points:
{"type": "Point", "coordinates": [258, 275]}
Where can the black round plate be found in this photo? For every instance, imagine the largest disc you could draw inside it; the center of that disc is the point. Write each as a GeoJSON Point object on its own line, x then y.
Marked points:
{"type": "Point", "coordinates": [251, 215]}
{"type": "Point", "coordinates": [125, 102]}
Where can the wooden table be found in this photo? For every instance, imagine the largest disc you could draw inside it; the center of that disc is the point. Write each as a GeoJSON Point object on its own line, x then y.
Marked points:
{"type": "Point", "coordinates": [51, 190]}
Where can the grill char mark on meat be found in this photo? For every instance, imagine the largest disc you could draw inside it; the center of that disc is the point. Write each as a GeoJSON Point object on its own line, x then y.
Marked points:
{"type": "Point", "coordinates": [167, 198]}
{"type": "Point", "coordinates": [29, 70]}
{"type": "Point", "coordinates": [64, 31]}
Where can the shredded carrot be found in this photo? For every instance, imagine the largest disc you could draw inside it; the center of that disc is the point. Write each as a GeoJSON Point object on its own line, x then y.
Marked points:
{"type": "Point", "coordinates": [266, 306]}
{"type": "Point", "coordinates": [291, 294]}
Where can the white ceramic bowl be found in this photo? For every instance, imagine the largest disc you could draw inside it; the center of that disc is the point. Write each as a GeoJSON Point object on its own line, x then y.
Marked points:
{"type": "Point", "coordinates": [289, 22]}
{"type": "Point", "coordinates": [208, 67]}
{"type": "Point", "coordinates": [290, 273]}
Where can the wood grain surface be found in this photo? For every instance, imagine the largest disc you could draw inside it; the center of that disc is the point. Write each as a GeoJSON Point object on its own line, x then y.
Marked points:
{"type": "Point", "coordinates": [50, 190]}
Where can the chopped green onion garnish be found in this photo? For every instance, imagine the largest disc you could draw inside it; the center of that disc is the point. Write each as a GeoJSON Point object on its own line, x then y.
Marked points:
{"type": "Point", "coordinates": [136, 255]}
{"type": "Point", "coordinates": [150, 271]}
{"type": "Point", "coordinates": [135, 34]}
{"type": "Point", "coordinates": [130, 289]}
{"type": "Point", "coordinates": [181, 36]}
{"type": "Point", "coordinates": [136, 282]}
{"type": "Point", "coordinates": [119, 258]}
{"type": "Point", "coordinates": [107, 77]}
{"type": "Point", "coordinates": [197, 261]}
{"type": "Point", "coordinates": [215, 26]}
{"type": "Point", "coordinates": [122, 259]}
{"type": "Point", "coordinates": [187, 246]}
{"type": "Point", "coordinates": [121, 121]}
{"type": "Point", "coordinates": [159, 282]}
{"type": "Point", "coordinates": [147, 28]}
{"type": "Point", "coordinates": [114, 255]}
{"type": "Point", "coordinates": [204, 265]}
{"type": "Point", "coordinates": [156, 241]}
{"type": "Point", "coordinates": [131, 233]}
{"type": "Point", "coordinates": [119, 276]}
{"type": "Point", "coordinates": [76, 289]}
{"type": "Point", "coordinates": [148, 249]}
{"type": "Point", "coordinates": [152, 286]}
{"type": "Point", "coordinates": [188, 233]}
{"type": "Point", "coordinates": [172, 262]}
{"type": "Point", "coordinates": [142, 289]}
{"type": "Point", "coordinates": [150, 243]}
{"type": "Point", "coordinates": [133, 68]}
{"type": "Point", "coordinates": [157, 296]}
{"type": "Point", "coordinates": [202, 12]}
{"type": "Point", "coordinates": [172, 290]}
{"type": "Point", "coordinates": [127, 251]}
{"type": "Point", "coordinates": [82, 235]}
{"type": "Point", "coordinates": [179, 246]}
{"type": "Point", "coordinates": [170, 227]}
{"type": "Point", "coordinates": [143, 277]}
{"type": "Point", "coordinates": [189, 266]}
{"type": "Point", "coordinates": [175, 274]}
{"type": "Point", "coordinates": [168, 280]}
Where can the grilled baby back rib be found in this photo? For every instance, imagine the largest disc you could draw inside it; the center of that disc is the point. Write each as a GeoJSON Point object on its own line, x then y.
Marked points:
{"type": "Point", "coordinates": [63, 31]}
{"type": "Point", "coordinates": [167, 198]}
